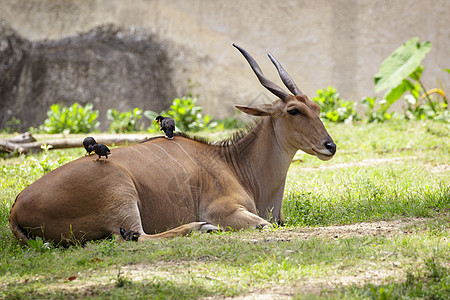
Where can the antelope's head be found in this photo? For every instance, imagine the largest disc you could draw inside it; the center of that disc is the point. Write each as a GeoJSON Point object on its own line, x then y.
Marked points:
{"type": "Point", "coordinates": [296, 118]}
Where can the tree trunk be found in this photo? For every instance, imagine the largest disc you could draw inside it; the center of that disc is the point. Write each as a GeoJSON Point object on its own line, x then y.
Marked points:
{"type": "Point", "coordinates": [26, 143]}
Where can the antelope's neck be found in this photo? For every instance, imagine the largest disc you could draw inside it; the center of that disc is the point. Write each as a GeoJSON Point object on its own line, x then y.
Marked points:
{"type": "Point", "coordinates": [261, 164]}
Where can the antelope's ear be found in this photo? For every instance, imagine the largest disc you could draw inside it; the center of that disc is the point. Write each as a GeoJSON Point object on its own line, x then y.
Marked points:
{"type": "Point", "coordinates": [257, 110]}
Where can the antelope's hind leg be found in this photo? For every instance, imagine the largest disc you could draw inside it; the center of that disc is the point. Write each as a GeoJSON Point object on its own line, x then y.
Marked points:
{"type": "Point", "coordinates": [126, 216]}
{"type": "Point", "coordinates": [130, 235]}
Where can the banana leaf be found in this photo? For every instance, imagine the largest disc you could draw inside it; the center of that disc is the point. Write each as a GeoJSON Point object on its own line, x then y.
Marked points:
{"type": "Point", "coordinates": [400, 64]}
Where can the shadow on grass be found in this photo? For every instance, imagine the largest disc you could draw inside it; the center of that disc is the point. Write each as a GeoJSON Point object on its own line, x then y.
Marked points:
{"type": "Point", "coordinates": [432, 281]}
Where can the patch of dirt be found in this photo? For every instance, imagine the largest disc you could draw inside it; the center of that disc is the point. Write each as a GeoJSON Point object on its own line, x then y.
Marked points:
{"type": "Point", "coordinates": [380, 228]}
{"type": "Point", "coordinates": [362, 163]}
{"type": "Point", "coordinates": [376, 161]}
{"type": "Point", "coordinates": [440, 168]}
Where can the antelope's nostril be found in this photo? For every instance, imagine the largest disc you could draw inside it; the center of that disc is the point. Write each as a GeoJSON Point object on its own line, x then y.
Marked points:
{"type": "Point", "coordinates": [331, 147]}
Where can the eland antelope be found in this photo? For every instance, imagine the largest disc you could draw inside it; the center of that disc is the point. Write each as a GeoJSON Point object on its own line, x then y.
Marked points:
{"type": "Point", "coordinates": [163, 188]}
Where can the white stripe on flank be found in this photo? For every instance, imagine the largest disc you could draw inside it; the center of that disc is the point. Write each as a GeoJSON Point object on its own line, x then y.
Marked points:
{"type": "Point", "coordinates": [171, 157]}
{"type": "Point", "coordinates": [186, 153]}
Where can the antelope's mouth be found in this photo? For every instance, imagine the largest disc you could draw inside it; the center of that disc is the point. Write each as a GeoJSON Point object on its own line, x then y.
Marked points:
{"type": "Point", "coordinates": [323, 154]}
{"type": "Point", "coordinates": [324, 157]}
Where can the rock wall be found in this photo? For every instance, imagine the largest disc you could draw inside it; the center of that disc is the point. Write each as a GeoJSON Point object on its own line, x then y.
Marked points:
{"type": "Point", "coordinates": [106, 66]}
{"type": "Point", "coordinates": [321, 43]}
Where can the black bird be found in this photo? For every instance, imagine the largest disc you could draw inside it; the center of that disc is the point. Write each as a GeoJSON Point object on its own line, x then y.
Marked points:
{"type": "Point", "coordinates": [88, 143]}
{"type": "Point", "coordinates": [101, 150]}
{"type": "Point", "coordinates": [129, 235]}
{"type": "Point", "coordinates": [167, 125]}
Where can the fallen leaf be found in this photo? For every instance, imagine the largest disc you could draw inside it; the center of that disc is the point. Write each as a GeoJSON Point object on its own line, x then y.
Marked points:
{"type": "Point", "coordinates": [96, 259]}
{"type": "Point", "coordinates": [71, 278]}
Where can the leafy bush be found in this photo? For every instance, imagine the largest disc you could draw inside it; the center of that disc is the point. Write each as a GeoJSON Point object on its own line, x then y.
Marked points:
{"type": "Point", "coordinates": [373, 114]}
{"type": "Point", "coordinates": [400, 73]}
{"type": "Point", "coordinates": [417, 110]}
{"type": "Point", "coordinates": [73, 119]}
{"type": "Point", "coordinates": [188, 116]}
{"type": "Point", "coordinates": [230, 122]}
{"type": "Point", "coordinates": [335, 109]}
{"type": "Point", "coordinates": [122, 122]}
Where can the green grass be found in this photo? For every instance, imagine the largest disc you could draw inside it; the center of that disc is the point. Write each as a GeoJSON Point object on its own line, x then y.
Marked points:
{"type": "Point", "coordinates": [382, 172]}
{"type": "Point", "coordinates": [368, 193]}
{"type": "Point", "coordinates": [224, 264]}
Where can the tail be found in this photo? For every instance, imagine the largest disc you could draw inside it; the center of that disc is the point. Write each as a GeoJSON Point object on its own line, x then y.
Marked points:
{"type": "Point", "coordinates": [14, 226]}
{"type": "Point", "coordinates": [169, 133]}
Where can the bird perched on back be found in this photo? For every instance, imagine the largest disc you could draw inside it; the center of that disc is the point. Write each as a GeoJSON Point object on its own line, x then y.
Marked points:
{"type": "Point", "coordinates": [88, 143]}
{"type": "Point", "coordinates": [101, 150]}
{"type": "Point", "coordinates": [167, 125]}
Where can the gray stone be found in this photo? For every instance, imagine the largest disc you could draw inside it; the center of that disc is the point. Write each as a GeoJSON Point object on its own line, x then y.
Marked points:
{"type": "Point", "coordinates": [107, 66]}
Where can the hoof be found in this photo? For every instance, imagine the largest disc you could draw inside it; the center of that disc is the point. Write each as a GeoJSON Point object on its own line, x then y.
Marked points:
{"type": "Point", "coordinates": [209, 228]}
{"type": "Point", "coordinates": [264, 227]}
{"type": "Point", "coordinates": [129, 235]}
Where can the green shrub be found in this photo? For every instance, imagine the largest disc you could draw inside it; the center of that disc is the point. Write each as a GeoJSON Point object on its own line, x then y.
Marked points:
{"type": "Point", "coordinates": [400, 73]}
{"type": "Point", "coordinates": [373, 114]}
{"type": "Point", "coordinates": [335, 109]}
{"type": "Point", "coordinates": [188, 116]}
{"type": "Point", "coordinates": [72, 119]}
{"type": "Point", "coordinates": [230, 122]}
{"type": "Point", "coordinates": [418, 110]}
{"type": "Point", "coordinates": [122, 122]}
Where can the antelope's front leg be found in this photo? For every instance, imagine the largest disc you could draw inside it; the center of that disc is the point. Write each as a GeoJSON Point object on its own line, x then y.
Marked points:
{"type": "Point", "coordinates": [234, 216]}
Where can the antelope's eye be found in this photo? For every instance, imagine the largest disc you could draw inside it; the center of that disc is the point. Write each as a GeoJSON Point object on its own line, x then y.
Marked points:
{"type": "Point", "coordinates": [293, 112]}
